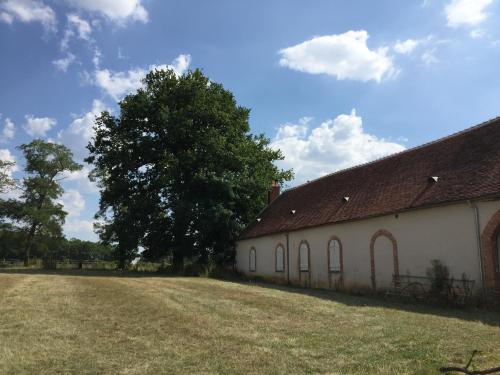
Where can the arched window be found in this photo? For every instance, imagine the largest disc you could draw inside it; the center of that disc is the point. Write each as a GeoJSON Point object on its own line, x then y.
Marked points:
{"type": "Point", "coordinates": [304, 256]}
{"type": "Point", "coordinates": [280, 258]}
{"type": "Point", "coordinates": [498, 252]}
{"type": "Point", "coordinates": [252, 261]}
{"type": "Point", "coordinates": [334, 255]}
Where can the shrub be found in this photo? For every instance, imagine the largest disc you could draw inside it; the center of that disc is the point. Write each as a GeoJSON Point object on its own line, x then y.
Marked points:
{"type": "Point", "coordinates": [440, 277]}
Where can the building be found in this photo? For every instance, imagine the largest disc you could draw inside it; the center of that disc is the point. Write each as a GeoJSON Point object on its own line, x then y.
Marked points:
{"type": "Point", "coordinates": [366, 226]}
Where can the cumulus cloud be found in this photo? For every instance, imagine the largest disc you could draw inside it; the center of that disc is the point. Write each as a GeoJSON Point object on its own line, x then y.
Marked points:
{"type": "Point", "coordinates": [73, 202]}
{"type": "Point", "coordinates": [333, 145]}
{"type": "Point", "coordinates": [8, 130]}
{"type": "Point", "coordinates": [406, 47]}
{"type": "Point", "coordinates": [116, 10]}
{"type": "Point", "coordinates": [6, 155]}
{"type": "Point", "coordinates": [38, 126]}
{"type": "Point", "coordinates": [27, 11]}
{"type": "Point", "coordinates": [118, 84]}
{"type": "Point", "coordinates": [344, 56]}
{"type": "Point", "coordinates": [64, 63]}
{"type": "Point", "coordinates": [78, 134]}
{"type": "Point", "coordinates": [466, 13]}
{"type": "Point", "coordinates": [79, 228]}
{"type": "Point", "coordinates": [78, 28]}
{"type": "Point", "coordinates": [80, 180]}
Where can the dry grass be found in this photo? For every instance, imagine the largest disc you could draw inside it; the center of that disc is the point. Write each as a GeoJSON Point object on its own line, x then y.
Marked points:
{"type": "Point", "coordinates": [60, 323]}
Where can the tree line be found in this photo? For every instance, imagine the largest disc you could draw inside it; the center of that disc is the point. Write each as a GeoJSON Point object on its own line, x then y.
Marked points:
{"type": "Point", "coordinates": [179, 174]}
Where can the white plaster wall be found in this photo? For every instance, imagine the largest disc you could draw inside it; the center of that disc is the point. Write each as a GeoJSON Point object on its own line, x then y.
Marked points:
{"type": "Point", "coordinates": [446, 233]}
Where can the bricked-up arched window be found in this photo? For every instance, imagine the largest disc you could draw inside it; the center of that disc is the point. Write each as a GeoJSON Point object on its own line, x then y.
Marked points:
{"type": "Point", "coordinates": [334, 256]}
{"type": "Point", "coordinates": [280, 258]}
{"type": "Point", "coordinates": [252, 261]}
{"type": "Point", "coordinates": [304, 256]}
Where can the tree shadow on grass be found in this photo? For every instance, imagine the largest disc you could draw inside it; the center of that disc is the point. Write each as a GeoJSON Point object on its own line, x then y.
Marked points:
{"type": "Point", "coordinates": [468, 313]}
{"type": "Point", "coordinates": [83, 273]}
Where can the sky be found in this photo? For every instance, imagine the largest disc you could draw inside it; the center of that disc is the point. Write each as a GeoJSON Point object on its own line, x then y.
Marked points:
{"type": "Point", "coordinates": [331, 83]}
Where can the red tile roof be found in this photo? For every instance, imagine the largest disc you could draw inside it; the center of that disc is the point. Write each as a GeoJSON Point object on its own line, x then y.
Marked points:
{"type": "Point", "coordinates": [467, 165]}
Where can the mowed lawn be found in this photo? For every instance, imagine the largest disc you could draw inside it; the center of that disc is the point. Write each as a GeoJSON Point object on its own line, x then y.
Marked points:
{"type": "Point", "coordinates": [106, 323]}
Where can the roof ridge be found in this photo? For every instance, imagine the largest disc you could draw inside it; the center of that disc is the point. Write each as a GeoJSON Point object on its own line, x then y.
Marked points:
{"type": "Point", "coordinates": [453, 135]}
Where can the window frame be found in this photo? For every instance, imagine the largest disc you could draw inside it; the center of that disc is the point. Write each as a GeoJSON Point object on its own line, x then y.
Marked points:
{"type": "Point", "coordinates": [252, 249]}
{"type": "Point", "coordinates": [304, 242]}
{"type": "Point", "coordinates": [279, 246]}
{"type": "Point", "coordinates": [340, 255]}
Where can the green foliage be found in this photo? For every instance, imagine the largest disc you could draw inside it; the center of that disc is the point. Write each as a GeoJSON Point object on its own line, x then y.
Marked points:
{"type": "Point", "coordinates": [38, 214]}
{"type": "Point", "coordinates": [440, 277]}
{"type": "Point", "coordinates": [179, 172]}
{"type": "Point", "coordinates": [11, 241]}
{"type": "Point", "coordinates": [50, 249]}
{"type": "Point", "coordinates": [6, 181]}
{"type": "Point", "coordinates": [76, 249]}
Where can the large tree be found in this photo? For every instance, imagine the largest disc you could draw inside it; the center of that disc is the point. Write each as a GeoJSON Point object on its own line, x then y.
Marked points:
{"type": "Point", "coordinates": [38, 213]}
{"type": "Point", "coordinates": [179, 172]}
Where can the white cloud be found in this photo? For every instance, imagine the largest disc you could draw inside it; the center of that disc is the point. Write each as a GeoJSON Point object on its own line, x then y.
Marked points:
{"type": "Point", "coordinates": [476, 33]}
{"type": "Point", "coordinates": [78, 134]}
{"type": "Point", "coordinates": [290, 130]}
{"type": "Point", "coordinates": [77, 28]}
{"type": "Point", "coordinates": [406, 47]}
{"type": "Point", "coordinates": [38, 126]}
{"type": "Point", "coordinates": [467, 13]}
{"type": "Point", "coordinates": [82, 27]}
{"type": "Point", "coordinates": [8, 130]}
{"type": "Point", "coordinates": [335, 144]}
{"type": "Point", "coordinates": [64, 63]}
{"type": "Point", "coordinates": [96, 59]}
{"type": "Point", "coordinates": [73, 202]}
{"type": "Point", "coordinates": [429, 57]}
{"type": "Point", "coordinates": [6, 155]}
{"type": "Point", "coordinates": [116, 10]}
{"type": "Point", "coordinates": [118, 84]}
{"type": "Point", "coordinates": [28, 11]}
{"type": "Point", "coordinates": [344, 56]}
{"type": "Point", "coordinates": [80, 180]}
{"type": "Point", "coordinates": [82, 229]}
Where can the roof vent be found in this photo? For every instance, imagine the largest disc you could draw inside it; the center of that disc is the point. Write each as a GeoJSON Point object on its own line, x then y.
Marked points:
{"type": "Point", "coordinates": [293, 212]}
{"type": "Point", "coordinates": [433, 179]}
{"type": "Point", "coordinates": [345, 199]}
{"type": "Point", "coordinates": [259, 219]}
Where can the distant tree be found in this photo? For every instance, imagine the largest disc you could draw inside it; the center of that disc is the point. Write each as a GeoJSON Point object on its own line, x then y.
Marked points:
{"type": "Point", "coordinates": [76, 249]}
{"type": "Point", "coordinates": [11, 241]}
{"type": "Point", "coordinates": [179, 172]}
{"type": "Point", "coordinates": [37, 213]}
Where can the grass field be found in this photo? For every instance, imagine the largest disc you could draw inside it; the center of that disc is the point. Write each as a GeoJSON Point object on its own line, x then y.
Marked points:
{"type": "Point", "coordinates": [107, 323]}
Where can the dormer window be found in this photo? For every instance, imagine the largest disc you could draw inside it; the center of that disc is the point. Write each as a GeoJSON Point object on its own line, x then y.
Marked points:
{"type": "Point", "coordinates": [345, 199]}
{"type": "Point", "coordinates": [433, 179]}
{"type": "Point", "coordinates": [293, 212]}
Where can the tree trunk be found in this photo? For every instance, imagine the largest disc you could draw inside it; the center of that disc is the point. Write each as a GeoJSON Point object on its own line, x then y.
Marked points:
{"type": "Point", "coordinates": [178, 261]}
{"type": "Point", "coordinates": [29, 243]}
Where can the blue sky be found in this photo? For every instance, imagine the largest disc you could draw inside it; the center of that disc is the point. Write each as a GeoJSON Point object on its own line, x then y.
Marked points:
{"type": "Point", "coordinates": [331, 83]}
